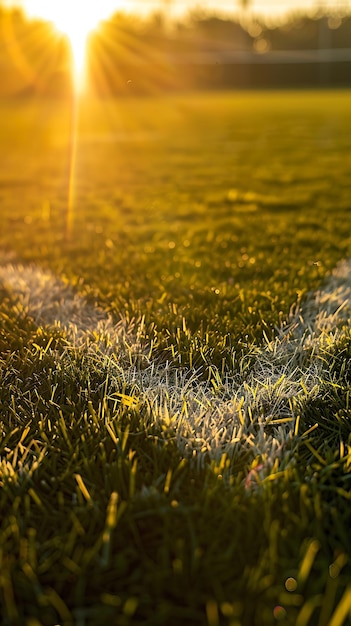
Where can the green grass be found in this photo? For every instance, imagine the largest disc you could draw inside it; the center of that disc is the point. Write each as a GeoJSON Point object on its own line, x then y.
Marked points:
{"type": "Point", "coordinates": [198, 221]}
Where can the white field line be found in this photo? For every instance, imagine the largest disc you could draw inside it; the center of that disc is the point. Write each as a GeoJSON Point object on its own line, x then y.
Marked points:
{"type": "Point", "coordinates": [254, 409]}
{"type": "Point", "coordinates": [50, 301]}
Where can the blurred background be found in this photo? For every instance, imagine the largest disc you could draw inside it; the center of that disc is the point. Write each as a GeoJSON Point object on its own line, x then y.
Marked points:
{"type": "Point", "coordinates": [150, 47]}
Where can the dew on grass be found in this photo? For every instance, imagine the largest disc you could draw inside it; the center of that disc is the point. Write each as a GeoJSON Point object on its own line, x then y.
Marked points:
{"type": "Point", "coordinates": [290, 584]}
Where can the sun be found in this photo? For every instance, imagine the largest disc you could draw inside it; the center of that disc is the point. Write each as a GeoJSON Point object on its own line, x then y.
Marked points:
{"type": "Point", "coordinates": [77, 24]}
{"type": "Point", "coordinates": [76, 18]}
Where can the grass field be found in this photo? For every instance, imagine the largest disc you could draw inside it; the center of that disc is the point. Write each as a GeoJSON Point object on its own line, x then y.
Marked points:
{"type": "Point", "coordinates": [175, 360]}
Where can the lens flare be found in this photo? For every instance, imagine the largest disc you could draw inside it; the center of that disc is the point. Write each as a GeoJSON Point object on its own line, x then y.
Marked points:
{"type": "Point", "coordinates": [77, 20]}
{"type": "Point", "coordinates": [76, 24]}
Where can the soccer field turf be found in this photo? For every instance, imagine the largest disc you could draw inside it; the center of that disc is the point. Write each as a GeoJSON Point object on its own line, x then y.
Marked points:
{"type": "Point", "coordinates": [174, 360]}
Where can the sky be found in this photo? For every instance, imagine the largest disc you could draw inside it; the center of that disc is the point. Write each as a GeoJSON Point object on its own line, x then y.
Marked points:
{"type": "Point", "coordinates": [104, 8]}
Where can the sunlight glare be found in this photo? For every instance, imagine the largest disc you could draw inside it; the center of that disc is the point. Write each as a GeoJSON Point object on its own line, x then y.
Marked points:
{"type": "Point", "coordinates": [76, 19]}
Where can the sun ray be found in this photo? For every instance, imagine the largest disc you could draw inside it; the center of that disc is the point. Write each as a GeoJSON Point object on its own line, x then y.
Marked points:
{"type": "Point", "coordinates": [122, 63]}
{"type": "Point", "coordinates": [76, 20]}
{"type": "Point", "coordinates": [72, 167]}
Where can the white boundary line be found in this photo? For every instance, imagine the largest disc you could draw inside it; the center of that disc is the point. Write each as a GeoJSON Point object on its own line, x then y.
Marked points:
{"type": "Point", "coordinates": [207, 419]}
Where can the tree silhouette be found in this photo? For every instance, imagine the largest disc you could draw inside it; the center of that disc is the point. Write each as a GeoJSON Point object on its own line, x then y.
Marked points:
{"type": "Point", "coordinates": [244, 5]}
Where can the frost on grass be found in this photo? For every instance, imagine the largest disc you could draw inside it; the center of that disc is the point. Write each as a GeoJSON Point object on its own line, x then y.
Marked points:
{"type": "Point", "coordinates": [252, 411]}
